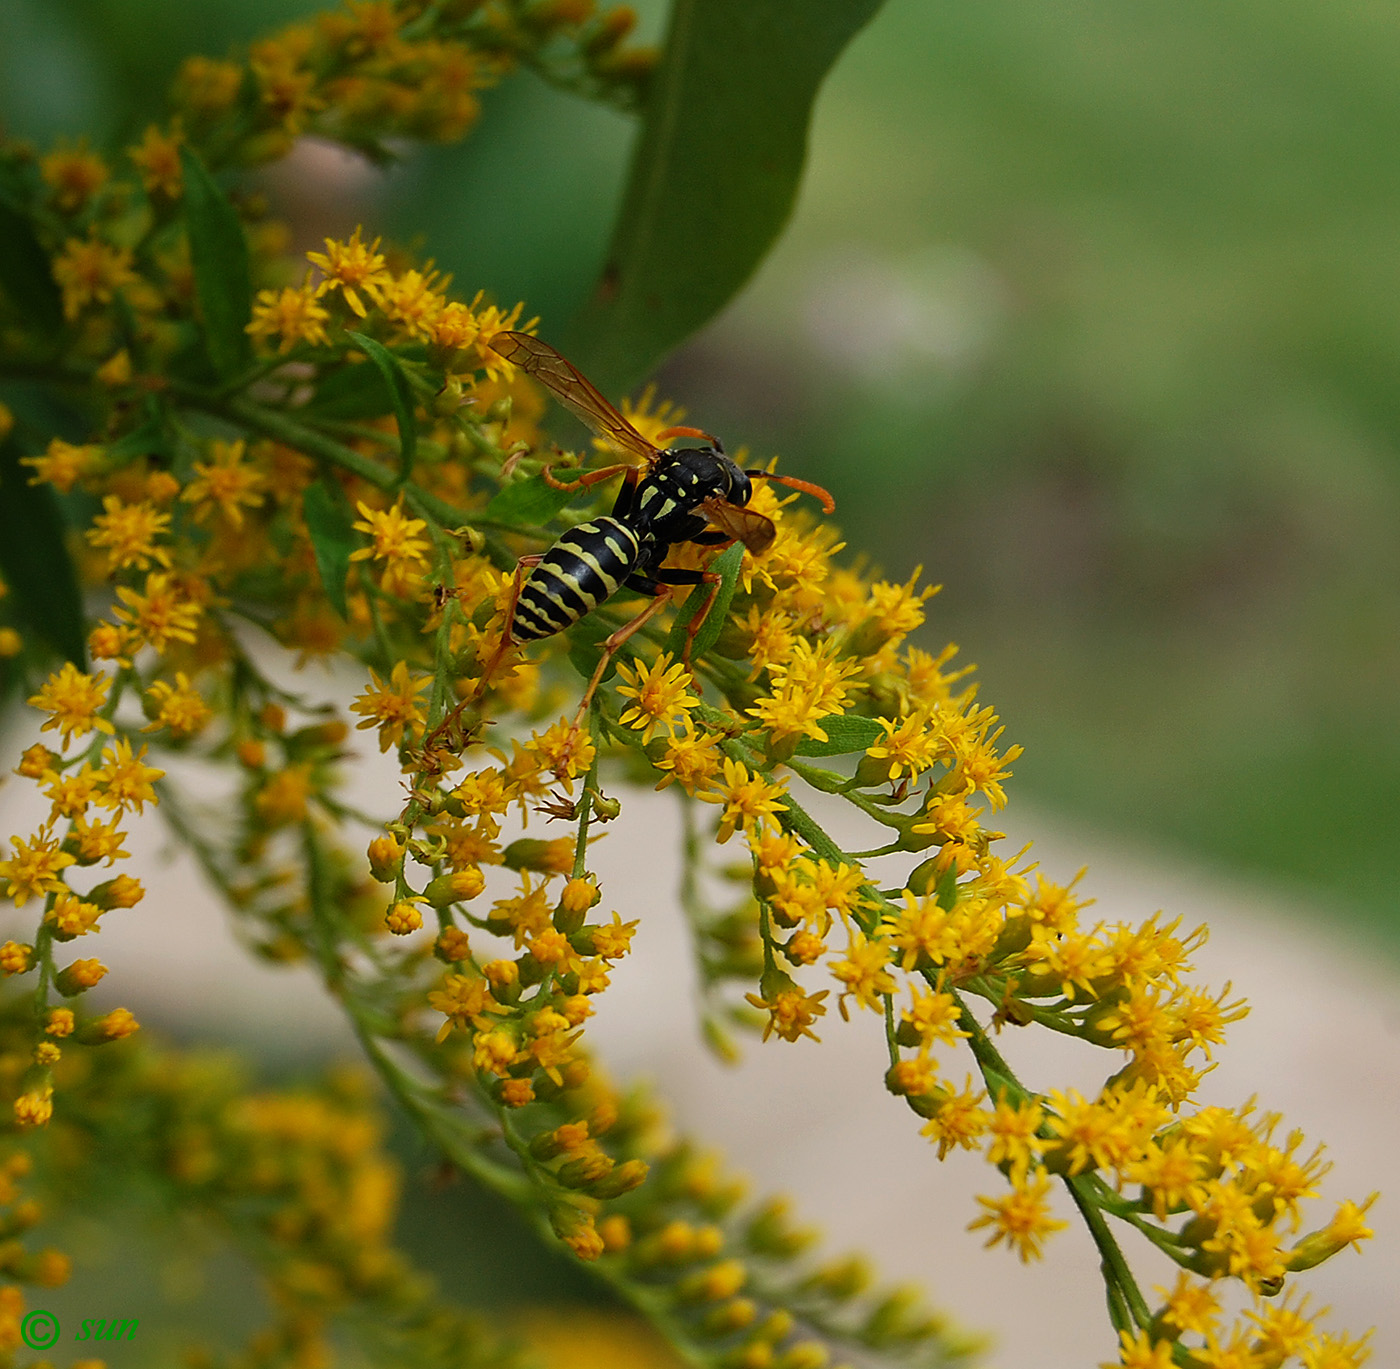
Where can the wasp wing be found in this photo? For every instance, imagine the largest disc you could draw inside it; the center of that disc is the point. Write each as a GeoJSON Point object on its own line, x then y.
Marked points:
{"type": "Point", "coordinates": [744, 525]}
{"type": "Point", "coordinates": [574, 391]}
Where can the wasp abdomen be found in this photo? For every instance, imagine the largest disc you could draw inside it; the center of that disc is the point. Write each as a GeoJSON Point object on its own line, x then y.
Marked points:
{"type": "Point", "coordinates": [583, 568]}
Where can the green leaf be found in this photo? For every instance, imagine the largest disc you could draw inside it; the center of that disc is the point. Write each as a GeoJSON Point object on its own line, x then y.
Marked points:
{"type": "Point", "coordinates": [219, 253]}
{"type": "Point", "coordinates": [529, 503]}
{"type": "Point", "coordinates": [402, 396]}
{"type": "Point", "coordinates": [715, 174]}
{"type": "Point", "coordinates": [845, 732]}
{"type": "Point", "coordinates": [152, 438]}
{"type": "Point", "coordinates": [946, 892]}
{"type": "Point", "coordinates": [726, 565]}
{"type": "Point", "coordinates": [351, 392]}
{"type": "Point", "coordinates": [35, 560]}
{"type": "Point", "coordinates": [25, 274]}
{"type": "Point", "coordinates": [328, 520]}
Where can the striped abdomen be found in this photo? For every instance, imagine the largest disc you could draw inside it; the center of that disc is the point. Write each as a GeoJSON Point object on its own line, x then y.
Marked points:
{"type": "Point", "coordinates": [584, 567]}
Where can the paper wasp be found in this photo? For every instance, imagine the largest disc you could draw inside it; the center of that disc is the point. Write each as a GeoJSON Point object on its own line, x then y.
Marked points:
{"type": "Point", "coordinates": [670, 496]}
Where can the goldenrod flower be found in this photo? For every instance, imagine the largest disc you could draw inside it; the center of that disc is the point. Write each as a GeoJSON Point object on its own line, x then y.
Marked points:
{"type": "Point", "coordinates": [128, 532]}
{"type": "Point", "coordinates": [692, 757]}
{"type": "Point", "coordinates": [661, 693]}
{"type": "Point", "coordinates": [33, 869]}
{"type": "Point", "coordinates": [394, 537]}
{"type": "Point", "coordinates": [809, 684]}
{"type": "Point", "coordinates": [750, 802]}
{"type": "Point", "coordinates": [177, 707]}
{"type": "Point", "coordinates": [90, 271]}
{"type": "Point", "coordinates": [74, 174]}
{"type": "Point", "coordinates": [292, 315]}
{"type": "Point", "coordinates": [959, 1120]}
{"type": "Point", "coordinates": [157, 158]}
{"type": "Point", "coordinates": [63, 464]}
{"type": "Point", "coordinates": [227, 482]}
{"type": "Point", "coordinates": [791, 1012]}
{"type": "Point", "coordinates": [353, 269]}
{"type": "Point", "coordinates": [391, 707]}
{"type": "Point", "coordinates": [1022, 1217]}
{"type": "Point", "coordinates": [863, 973]}
{"type": "Point", "coordinates": [1140, 1350]}
{"type": "Point", "coordinates": [160, 614]}
{"type": "Point", "coordinates": [72, 698]}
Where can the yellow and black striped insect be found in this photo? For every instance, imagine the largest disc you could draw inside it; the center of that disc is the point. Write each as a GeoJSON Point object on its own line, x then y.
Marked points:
{"type": "Point", "coordinates": [680, 494]}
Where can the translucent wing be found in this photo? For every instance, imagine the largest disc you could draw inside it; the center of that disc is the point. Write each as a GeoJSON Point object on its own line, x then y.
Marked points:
{"type": "Point", "coordinates": [574, 391]}
{"type": "Point", "coordinates": [744, 525]}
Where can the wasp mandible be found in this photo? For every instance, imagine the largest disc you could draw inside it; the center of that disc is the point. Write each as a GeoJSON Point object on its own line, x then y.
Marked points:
{"type": "Point", "coordinates": [679, 494]}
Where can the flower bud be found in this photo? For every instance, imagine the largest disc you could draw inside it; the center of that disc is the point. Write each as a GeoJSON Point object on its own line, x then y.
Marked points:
{"type": "Point", "coordinates": [620, 1179]}
{"type": "Point", "coordinates": [513, 1093]}
{"type": "Point", "coordinates": [457, 887]}
{"type": "Point", "coordinates": [35, 760]}
{"type": "Point", "coordinates": [78, 977]}
{"type": "Point", "coordinates": [578, 897]}
{"type": "Point", "coordinates": [121, 892]}
{"type": "Point", "coordinates": [548, 857]}
{"type": "Point", "coordinates": [731, 1316]}
{"type": "Point", "coordinates": [385, 855]}
{"type": "Point", "coordinates": [584, 1170]}
{"type": "Point", "coordinates": [115, 1025]}
{"type": "Point", "coordinates": [718, 1283]}
{"type": "Point", "coordinates": [616, 1232]}
{"type": "Point", "coordinates": [452, 945]}
{"type": "Point", "coordinates": [403, 917]}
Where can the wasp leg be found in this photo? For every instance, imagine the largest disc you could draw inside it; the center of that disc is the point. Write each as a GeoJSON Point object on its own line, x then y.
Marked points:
{"type": "Point", "coordinates": [627, 495]}
{"type": "Point", "coordinates": [713, 538]}
{"type": "Point", "coordinates": [683, 577]}
{"type": "Point", "coordinates": [663, 595]}
{"type": "Point", "coordinates": [450, 719]}
{"type": "Point", "coordinates": [586, 479]}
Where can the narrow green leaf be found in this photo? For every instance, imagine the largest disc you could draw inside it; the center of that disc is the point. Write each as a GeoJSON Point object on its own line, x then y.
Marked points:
{"type": "Point", "coordinates": [529, 503]}
{"type": "Point", "coordinates": [328, 520]}
{"type": "Point", "coordinates": [35, 560]}
{"type": "Point", "coordinates": [402, 396]}
{"type": "Point", "coordinates": [845, 732]}
{"type": "Point", "coordinates": [25, 274]}
{"type": "Point", "coordinates": [726, 565]}
{"type": "Point", "coordinates": [715, 173]}
{"type": "Point", "coordinates": [219, 253]}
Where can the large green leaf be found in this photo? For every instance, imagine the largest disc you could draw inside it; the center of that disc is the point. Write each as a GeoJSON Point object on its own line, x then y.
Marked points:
{"type": "Point", "coordinates": [715, 174]}
{"type": "Point", "coordinates": [528, 503]}
{"type": "Point", "coordinates": [351, 392]}
{"type": "Point", "coordinates": [35, 559]}
{"type": "Point", "coordinates": [219, 253]}
{"type": "Point", "coordinates": [328, 520]}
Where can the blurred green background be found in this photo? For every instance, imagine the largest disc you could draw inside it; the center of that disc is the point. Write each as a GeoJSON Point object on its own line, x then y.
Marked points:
{"type": "Point", "coordinates": [1090, 309]}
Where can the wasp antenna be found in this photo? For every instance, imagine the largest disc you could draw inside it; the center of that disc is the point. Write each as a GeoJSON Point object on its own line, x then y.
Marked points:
{"type": "Point", "coordinates": [793, 483]}
{"type": "Point", "coordinates": [668, 433]}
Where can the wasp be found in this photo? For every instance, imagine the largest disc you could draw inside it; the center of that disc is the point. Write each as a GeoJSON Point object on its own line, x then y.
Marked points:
{"type": "Point", "coordinates": [668, 496]}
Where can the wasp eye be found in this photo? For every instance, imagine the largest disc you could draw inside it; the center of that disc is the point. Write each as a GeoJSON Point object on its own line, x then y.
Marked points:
{"type": "Point", "coordinates": [740, 488]}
